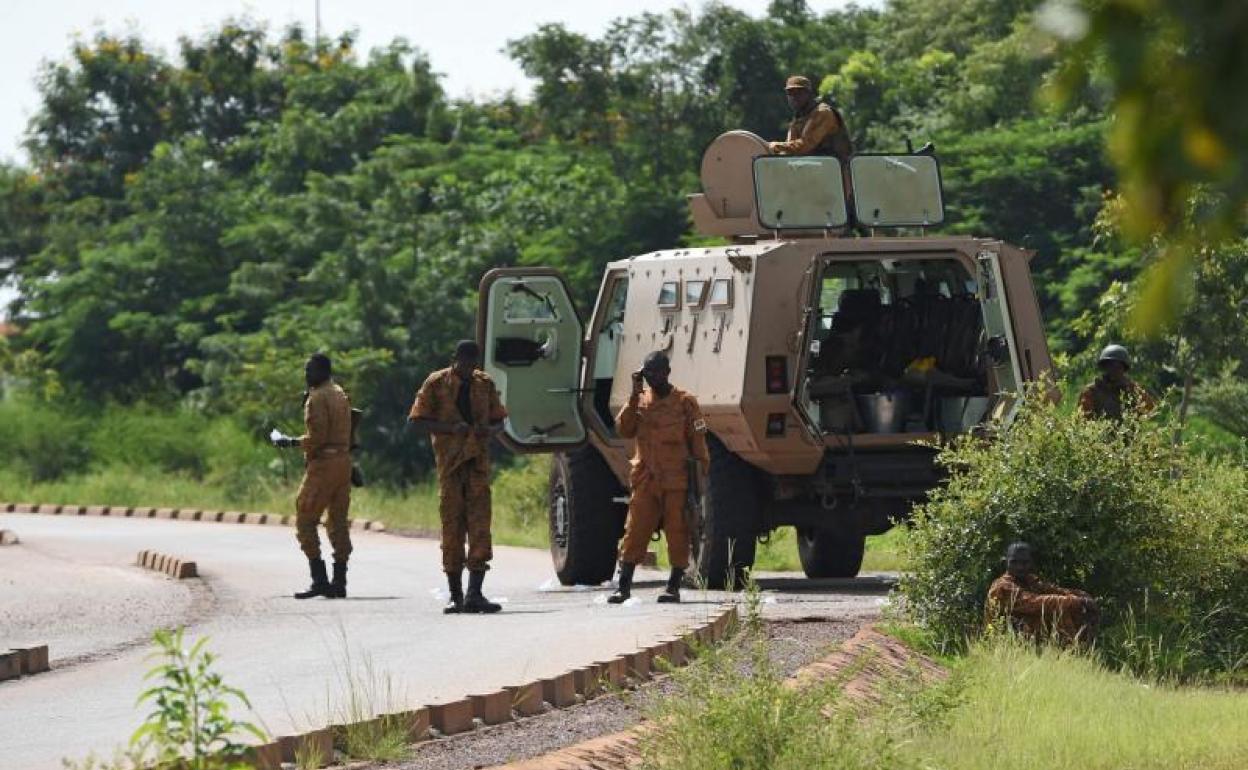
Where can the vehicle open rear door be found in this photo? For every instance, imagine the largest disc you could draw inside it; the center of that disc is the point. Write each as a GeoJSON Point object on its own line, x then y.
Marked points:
{"type": "Point", "coordinates": [531, 339]}
{"type": "Point", "coordinates": [1002, 346]}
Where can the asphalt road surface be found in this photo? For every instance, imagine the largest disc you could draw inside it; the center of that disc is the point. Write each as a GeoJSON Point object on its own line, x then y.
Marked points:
{"type": "Point", "coordinates": [72, 584]}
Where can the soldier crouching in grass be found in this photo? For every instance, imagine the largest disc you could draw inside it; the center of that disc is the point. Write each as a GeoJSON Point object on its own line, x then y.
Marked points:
{"type": "Point", "coordinates": [460, 408]}
{"type": "Point", "coordinates": [1036, 609]}
{"type": "Point", "coordinates": [326, 445]}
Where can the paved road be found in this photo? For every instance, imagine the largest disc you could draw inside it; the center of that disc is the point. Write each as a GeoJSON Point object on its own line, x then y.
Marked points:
{"type": "Point", "coordinates": [72, 584]}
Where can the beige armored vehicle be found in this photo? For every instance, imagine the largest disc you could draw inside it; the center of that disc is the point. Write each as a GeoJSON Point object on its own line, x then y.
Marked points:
{"type": "Point", "coordinates": [827, 361]}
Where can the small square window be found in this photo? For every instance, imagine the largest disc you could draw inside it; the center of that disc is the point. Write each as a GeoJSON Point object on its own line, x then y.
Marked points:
{"type": "Point", "coordinates": [721, 292]}
{"type": "Point", "coordinates": [695, 293]}
{"type": "Point", "coordinates": [669, 295]}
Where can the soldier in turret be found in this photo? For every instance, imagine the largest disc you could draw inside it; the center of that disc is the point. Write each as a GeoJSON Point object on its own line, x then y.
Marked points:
{"type": "Point", "coordinates": [816, 128]}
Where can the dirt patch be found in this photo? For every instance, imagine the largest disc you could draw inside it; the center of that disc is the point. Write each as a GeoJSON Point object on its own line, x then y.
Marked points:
{"type": "Point", "coordinates": [792, 643]}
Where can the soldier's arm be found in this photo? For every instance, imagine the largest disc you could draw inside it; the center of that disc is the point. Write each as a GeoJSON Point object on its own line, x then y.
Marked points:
{"type": "Point", "coordinates": [315, 422]}
{"type": "Point", "coordinates": [424, 412]}
{"type": "Point", "coordinates": [821, 123]}
{"type": "Point", "coordinates": [629, 418]}
{"type": "Point", "coordinates": [695, 433]}
{"type": "Point", "coordinates": [1145, 401]}
{"type": "Point", "coordinates": [1087, 405]}
{"type": "Point", "coordinates": [497, 414]}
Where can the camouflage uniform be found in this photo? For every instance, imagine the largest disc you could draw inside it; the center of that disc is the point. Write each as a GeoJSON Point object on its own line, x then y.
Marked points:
{"type": "Point", "coordinates": [819, 130]}
{"type": "Point", "coordinates": [668, 431]}
{"type": "Point", "coordinates": [463, 464]}
{"type": "Point", "coordinates": [1104, 399]}
{"type": "Point", "coordinates": [1040, 610]}
{"type": "Point", "coordinates": [327, 477]}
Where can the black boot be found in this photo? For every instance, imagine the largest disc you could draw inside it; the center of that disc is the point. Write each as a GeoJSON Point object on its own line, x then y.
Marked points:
{"type": "Point", "coordinates": [671, 594]}
{"type": "Point", "coordinates": [624, 584]}
{"type": "Point", "coordinates": [338, 586]}
{"type": "Point", "coordinates": [455, 582]}
{"type": "Point", "coordinates": [320, 581]}
{"type": "Point", "coordinates": [475, 601]}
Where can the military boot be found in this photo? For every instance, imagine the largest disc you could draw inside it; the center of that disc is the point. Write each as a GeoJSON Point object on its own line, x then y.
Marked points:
{"type": "Point", "coordinates": [671, 594]}
{"type": "Point", "coordinates": [338, 586]}
{"type": "Point", "coordinates": [455, 582]}
{"type": "Point", "coordinates": [624, 584]}
{"type": "Point", "coordinates": [475, 601]}
{"type": "Point", "coordinates": [320, 581]}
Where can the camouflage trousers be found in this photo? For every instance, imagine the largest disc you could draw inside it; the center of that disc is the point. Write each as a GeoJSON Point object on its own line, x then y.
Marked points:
{"type": "Point", "coordinates": [464, 506]}
{"type": "Point", "coordinates": [650, 506]}
{"type": "Point", "coordinates": [326, 485]}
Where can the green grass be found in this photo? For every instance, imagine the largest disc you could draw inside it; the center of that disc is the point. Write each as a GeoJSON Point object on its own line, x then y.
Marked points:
{"type": "Point", "coordinates": [883, 552]}
{"type": "Point", "coordinates": [1053, 710]}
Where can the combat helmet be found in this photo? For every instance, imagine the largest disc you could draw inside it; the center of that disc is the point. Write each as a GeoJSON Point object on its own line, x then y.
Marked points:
{"type": "Point", "coordinates": [1115, 353]}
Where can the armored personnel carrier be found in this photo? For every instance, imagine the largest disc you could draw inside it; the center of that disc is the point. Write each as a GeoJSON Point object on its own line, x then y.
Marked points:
{"type": "Point", "coordinates": [830, 341]}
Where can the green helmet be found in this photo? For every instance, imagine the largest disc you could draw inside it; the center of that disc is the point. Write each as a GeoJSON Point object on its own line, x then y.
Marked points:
{"type": "Point", "coordinates": [1115, 353]}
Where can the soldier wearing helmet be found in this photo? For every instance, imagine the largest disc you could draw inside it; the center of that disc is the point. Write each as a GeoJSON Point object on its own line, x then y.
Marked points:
{"type": "Point", "coordinates": [668, 427]}
{"type": "Point", "coordinates": [1114, 393]}
{"type": "Point", "coordinates": [816, 128]}
{"type": "Point", "coordinates": [1039, 610]}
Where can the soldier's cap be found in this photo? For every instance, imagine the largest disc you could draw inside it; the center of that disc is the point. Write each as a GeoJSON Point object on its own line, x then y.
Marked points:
{"type": "Point", "coordinates": [657, 362]}
{"type": "Point", "coordinates": [1018, 550]}
{"type": "Point", "coordinates": [798, 83]}
{"type": "Point", "coordinates": [467, 350]}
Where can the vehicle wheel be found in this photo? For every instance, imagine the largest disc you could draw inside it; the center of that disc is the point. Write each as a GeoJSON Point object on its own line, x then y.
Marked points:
{"type": "Point", "coordinates": [724, 540]}
{"type": "Point", "coordinates": [585, 525]}
{"type": "Point", "coordinates": [830, 553]}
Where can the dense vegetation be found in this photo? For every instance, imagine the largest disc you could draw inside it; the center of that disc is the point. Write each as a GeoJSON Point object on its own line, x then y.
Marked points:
{"type": "Point", "coordinates": [1156, 531]}
{"type": "Point", "coordinates": [190, 227]}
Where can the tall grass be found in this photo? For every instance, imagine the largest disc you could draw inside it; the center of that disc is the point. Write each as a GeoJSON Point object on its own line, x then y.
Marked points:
{"type": "Point", "coordinates": [1053, 710]}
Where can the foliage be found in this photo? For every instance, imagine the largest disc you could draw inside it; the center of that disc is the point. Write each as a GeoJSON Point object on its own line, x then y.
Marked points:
{"type": "Point", "coordinates": [1116, 510]}
{"type": "Point", "coordinates": [192, 226]}
{"type": "Point", "coordinates": [1224, 400]}
{"type": "Point", "coordinates": [732, 709]}
{"type": "Point", "coordinates": [190, 721]}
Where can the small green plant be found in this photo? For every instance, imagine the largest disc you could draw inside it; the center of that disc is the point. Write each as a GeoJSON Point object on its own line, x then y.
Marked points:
{"type": "Point", "coordinates": [367, 696]}
{"type": "Point", "coordinates": [190, 724]}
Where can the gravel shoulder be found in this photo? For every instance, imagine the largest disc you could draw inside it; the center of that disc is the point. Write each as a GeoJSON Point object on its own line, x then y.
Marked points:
{"type": "Point", "coordinates": [793, 642]}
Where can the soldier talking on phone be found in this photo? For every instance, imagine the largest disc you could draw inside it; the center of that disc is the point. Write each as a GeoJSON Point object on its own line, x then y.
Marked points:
{"type": "Point", "coordinates": [669, 429]}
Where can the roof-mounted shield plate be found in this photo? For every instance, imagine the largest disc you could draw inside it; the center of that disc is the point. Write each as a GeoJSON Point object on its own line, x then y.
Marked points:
{"type": "Point", "coordinates": [897, 190]}
{"type": "Point", "coordinates": [799, 192]}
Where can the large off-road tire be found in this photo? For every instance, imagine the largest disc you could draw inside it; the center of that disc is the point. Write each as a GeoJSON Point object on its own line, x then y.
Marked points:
{"type": "Point", "coordinates": [585, 523]}
{"type": "Point", "coordinates": [830, 553]}
{"type": "Point", "coordinates": [724, 540]}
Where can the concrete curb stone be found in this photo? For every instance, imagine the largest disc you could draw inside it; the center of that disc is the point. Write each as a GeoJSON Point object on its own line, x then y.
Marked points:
{"type": "Point", "coordinates": [414, 722]}
{"type": "Point", "coordinates": [9, 537]}
{"type": "Point", "coordinates": [526, 699]}
{"type": "Point", "coordinates": [639, 665]}
{"type": "Point", "coordinates": [451, 718]}
{"type": "Point", "coordinates": [588, 680]}
{"type": "Point", "coordinates": [492, 708]}
{"type": "Point", "coordinates": [10, 665]}
{"type": "Point", "coordinates": [174, 568]}
{"type": "Point", "coordinates": [559, 691]}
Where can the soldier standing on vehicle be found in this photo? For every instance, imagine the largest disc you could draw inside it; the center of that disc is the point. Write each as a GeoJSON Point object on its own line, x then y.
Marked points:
{"type": "Point", "coordinates": [1113, 394]}
{"type": "Point", "coordinates": [669, 429]}
{"type": "Point", "coordinates": [459, 406]}
{"type": "Point", "coordinates": [1037, 609]}
{"type": "Point", "coordinates": [326, 445]}
{"type": "Point", "coordinates": [816, 128]}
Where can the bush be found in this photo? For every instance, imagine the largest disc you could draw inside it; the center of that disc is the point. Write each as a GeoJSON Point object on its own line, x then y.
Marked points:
{"type": "Point", "coordinates": [42, 442]}
{"type": "Point", "coordinates": [1116, 510]}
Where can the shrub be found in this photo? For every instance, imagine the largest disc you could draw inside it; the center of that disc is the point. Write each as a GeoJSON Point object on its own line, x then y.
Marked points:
{"type": "Point", "coordinates": [42, 442]}
{"type": "Point", "coordinates": [1114, 509]}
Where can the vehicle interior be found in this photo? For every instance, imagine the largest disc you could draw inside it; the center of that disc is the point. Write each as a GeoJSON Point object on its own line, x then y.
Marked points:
{"type": "Point", "coordinates": [606, 351]}
{"type": "Point", "coordinates": [896, 346]}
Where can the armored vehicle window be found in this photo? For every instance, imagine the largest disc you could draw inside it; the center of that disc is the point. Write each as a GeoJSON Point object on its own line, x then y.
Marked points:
{"type": "Point", "coordinates": [721, 292]}
{"type": "Point", "coordinates": [669, 295]}
{"type": "Point", "coordinates": [799, 192]}
{"type": "Point", "coordinates": [526, 305]}
{"type": "Point", "coordinates": [897, 190]}
{"type": "Point", "coordinates": [695, 293]}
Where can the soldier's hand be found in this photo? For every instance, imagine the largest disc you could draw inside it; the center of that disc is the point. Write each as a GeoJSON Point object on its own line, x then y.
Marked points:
{"type": "Point", "coordinates": [637, 382]}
